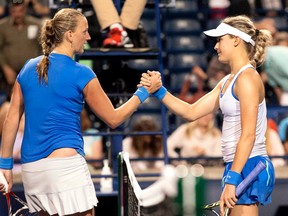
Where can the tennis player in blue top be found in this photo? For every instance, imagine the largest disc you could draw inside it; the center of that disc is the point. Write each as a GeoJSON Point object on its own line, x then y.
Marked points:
{"type": "Point", "coordinates": [240, 96]}
{"type": "Point", "coordinates": [50, 90]}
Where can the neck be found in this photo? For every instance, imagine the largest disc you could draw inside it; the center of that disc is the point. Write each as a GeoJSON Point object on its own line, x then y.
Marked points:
{"type": "Point", "coordinates": [63, 51]}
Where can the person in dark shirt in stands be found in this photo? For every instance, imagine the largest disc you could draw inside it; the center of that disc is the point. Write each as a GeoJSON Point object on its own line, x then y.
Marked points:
{"type": "Point", "coordinates": [16, 27]}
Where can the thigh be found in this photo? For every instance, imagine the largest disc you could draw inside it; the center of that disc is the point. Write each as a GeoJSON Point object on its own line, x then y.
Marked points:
{"type": "Point", "coordinates": [244, 210]}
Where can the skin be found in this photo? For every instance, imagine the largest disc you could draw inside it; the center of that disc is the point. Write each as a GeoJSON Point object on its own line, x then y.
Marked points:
{"type": "Point", "coordinates": [231, 50]}
{"type": "Point", "coordinates": [73, 43]}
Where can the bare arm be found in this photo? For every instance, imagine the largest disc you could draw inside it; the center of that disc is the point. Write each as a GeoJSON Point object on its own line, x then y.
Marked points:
{"type": "Point", "coordinates": [11, 122]}
{"type": "Point", "coordinates": [101, 105]}
{"type": "Point", "coordinates": [207, 104]}
{"type": "Point", "coordinates": [10, 128]}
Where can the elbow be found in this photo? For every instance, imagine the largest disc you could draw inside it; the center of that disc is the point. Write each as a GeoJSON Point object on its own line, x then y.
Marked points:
{"type": "Point", "coordinates": [112, 123]}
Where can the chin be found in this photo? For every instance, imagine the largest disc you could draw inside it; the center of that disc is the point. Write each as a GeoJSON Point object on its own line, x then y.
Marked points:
{"type": "Point", "coordinates": [79, 51]}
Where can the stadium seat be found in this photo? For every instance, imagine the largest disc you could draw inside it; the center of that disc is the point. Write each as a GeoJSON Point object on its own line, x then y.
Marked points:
{"type": "Point", "coordinates": [175, 44]}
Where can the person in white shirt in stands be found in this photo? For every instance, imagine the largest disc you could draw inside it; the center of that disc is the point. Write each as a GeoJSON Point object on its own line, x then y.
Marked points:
{"type": "Point", "coordinates": [198, 138]}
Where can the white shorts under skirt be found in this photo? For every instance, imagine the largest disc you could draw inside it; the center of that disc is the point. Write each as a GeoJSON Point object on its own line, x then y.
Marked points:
{"type": "Point", "coordinates": [59, 185]}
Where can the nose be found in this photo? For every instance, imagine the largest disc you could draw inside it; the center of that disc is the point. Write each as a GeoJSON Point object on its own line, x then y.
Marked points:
{"type": "Point", "coordinates": [216, 46]}
{"type": "Point", "coordinates": [88, 37]}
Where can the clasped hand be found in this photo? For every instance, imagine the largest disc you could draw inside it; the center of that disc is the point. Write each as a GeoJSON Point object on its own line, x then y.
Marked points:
{"type": "Point", "coordinates": [151, 81]}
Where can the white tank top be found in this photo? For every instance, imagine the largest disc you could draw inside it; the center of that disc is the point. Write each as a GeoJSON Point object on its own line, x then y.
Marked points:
{"type": "Point", "coordinates": [231, 129]}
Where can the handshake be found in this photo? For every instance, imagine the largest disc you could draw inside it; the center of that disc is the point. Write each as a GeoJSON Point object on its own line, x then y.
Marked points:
{"type": "Point", "coordinates": [150, 83]}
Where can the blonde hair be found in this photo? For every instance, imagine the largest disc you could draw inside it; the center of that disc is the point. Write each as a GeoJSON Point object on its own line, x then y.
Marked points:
{"type": "Point", "coordinates": [262, 38]}
{"type": "Point", "coordinates": [52, 34]}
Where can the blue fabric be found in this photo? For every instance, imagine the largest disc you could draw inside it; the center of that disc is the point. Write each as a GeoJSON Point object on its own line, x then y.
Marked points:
{"type": "Point", "coordinates": [233, 178]}
{"type": "Point", "coordinates": [160, 93]}
{"type": "Point", "coordinates": [261, 189]}
{"type": "Point", "coordinates": [6, 163]}
{"type": "Point", "coordinates": [52, 111]}
{"type": "Point", "coordinates": [142, 94]}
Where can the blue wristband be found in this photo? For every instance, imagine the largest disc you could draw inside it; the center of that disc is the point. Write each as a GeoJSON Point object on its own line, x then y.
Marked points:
{"type": "Point", "coordinates": [160, 93]}
{"type": "Point", "coordinates": [6, 163]}
{"type": "Point", "coordinates": [142, 94]}
{"type": "Point", "coordinates": [233, 178]}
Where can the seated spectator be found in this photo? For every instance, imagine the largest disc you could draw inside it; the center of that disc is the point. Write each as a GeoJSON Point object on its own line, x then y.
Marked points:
{"type": "Point", "coordinates": [274, 144]}
{"type": "Point", "coordinates": [198, 138]}
{"type": "Point", "coordinates": [118, 25]}
{"type": "Point", "coordinates": [93, 146]}
{"type": "Point", "coordinates": [283, 133]}
{"type": "Point", "coordinates": [144, 146]}
{"type": "Point", "coordinates": [19, 35]}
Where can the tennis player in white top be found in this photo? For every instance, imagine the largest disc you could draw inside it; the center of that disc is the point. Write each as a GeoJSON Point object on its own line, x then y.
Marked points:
{"type": "Point", "coordinates": [240, 96]}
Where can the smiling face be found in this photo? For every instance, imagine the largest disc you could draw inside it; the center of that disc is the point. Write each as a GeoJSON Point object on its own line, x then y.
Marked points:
{"type": "Point", "coordinates": [80, 36]}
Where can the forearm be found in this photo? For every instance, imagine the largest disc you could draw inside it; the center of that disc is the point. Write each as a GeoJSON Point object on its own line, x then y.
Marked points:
{"type": "Point", "coordinates": [9, 132]}
{"type": "Point", "coordinates": [178, 106]}
{"type": "Point", "coordinates": [123, 112]}
{"type": "Point", "coordinates": [243, 151]}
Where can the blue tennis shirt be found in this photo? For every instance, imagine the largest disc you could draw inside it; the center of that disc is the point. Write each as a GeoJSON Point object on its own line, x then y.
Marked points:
{"type": "Point", "coordinates": [52, 111]}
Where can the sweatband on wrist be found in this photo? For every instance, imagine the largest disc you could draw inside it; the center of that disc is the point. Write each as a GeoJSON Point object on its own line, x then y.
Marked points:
{"type": "Point", "coordinates": [142, 94]}
{"type": "Point", "coordinates": [233, 178]}
{"type": "Point", "coordinates": [6, 163]}
{"type": "Point", "coordinates": [160, 93]}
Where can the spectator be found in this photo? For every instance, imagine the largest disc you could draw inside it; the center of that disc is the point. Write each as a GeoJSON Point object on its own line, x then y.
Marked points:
{"type": "Point", "coordinates": [109, 18]}
{"type": "Point", "coordinates": [274, 144]}
{"type": "Point", "coordinates": [2, 8]}
{"type": "Point", "coordinates": [144, 146]}
{"type": "Point", "coordinates": [276, 67]}
{"type": "Point", "coordinates": [38, 8]}
{"type": "Point", "coordinates": [93, 146]}
{"type": "Point", "coordinates": [205, 80]}
{"type": "Point", "coordinates": [283, 133]}
{"type": "Point", "coordinates": [19, 34]}
{"type": "Point", "coordinates": [198, 138]}
{"type": "Point", "coordinates": [200, 76]}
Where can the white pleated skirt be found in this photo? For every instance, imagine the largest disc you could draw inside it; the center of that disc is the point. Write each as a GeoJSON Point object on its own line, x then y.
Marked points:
{"type": "Point", "coordinates": [60, 186]}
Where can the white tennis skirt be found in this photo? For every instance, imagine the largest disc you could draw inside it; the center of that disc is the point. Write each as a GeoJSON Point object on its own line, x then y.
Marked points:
{"type": "Point", "coordinates": [60, 186]}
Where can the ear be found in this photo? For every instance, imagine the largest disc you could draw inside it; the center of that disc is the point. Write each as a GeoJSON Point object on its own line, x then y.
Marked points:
{"type": "Point", "coordinates": [237, 41]}
{"type": "Point", "coordinates": [69, 36]}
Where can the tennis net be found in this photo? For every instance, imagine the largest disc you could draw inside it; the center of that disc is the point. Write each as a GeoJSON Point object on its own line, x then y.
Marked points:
{"type": "Point", "coordinates": [157, 199]}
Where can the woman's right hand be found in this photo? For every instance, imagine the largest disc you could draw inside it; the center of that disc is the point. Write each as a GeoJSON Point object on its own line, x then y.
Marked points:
{"type": "Point", "coordinates": [8, 175]}
{"type": "Point", "coordinates": [151, 81]}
